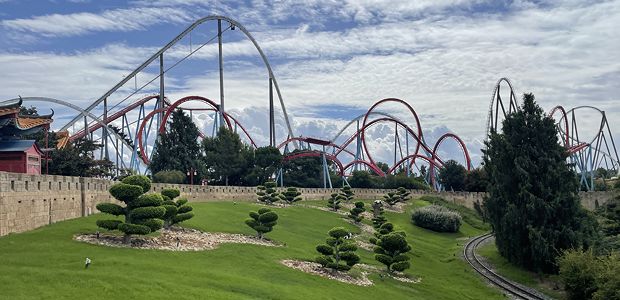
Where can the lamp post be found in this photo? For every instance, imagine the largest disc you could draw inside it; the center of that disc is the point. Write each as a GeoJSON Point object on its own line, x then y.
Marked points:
{"type": "Point", "coordinates": [191, 173]}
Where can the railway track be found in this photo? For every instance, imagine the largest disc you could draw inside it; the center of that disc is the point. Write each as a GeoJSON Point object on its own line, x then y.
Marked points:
{"type": "Point", "coordinates": [469, 253]}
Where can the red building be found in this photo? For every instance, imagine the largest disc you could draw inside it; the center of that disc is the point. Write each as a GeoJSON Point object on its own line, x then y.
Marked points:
{"type": "Point", "coordinates": [17, 154]}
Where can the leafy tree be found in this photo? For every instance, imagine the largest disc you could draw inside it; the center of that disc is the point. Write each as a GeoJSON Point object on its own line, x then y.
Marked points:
{"type": "Point", "coordinates": [224, 154]}
{"type": "Point", "coordinates": [142, 211]}
{"type": "Point", "coordinates": [401, 180]}
{"type": "Point", "coordinates": [361, 179]}
{"type": "Point", "coordinates": [609, 220]}
{"type": "Point", "coordinates": [267, 193]}
{"type": "Point", "coordinates": [291, 195]}
{"type": "Point", "coordinates": [176, 211]}
{"type": "Point", "coordinates": [355, 212]}
{"type": "Point", "coordinates": [338, 252]}
{"type": "Point", "coordinates": [262, 221]}
{"type": "Point", "coordinates": [391, 251]}
{"type": "Point", "coordinates": [452, 176]}
{"type": "Point", "coordinates": [532, 203]}
{"type": "Point", "coordinates": [266, 161]}
{"type": "Point", "coordinates": [173, 176]}
{"type": "Point", "coordinates": [304, 172]}
{"type": "Point", "coordinates": [383, 166]}
{"type": "Point", "coordinates": [476, 180]}
{"type": "Point", "coordinates": [334, 201]}
{"type": "Point", "coordinates": [423, 172]}
{"type": "Point", "coordinates": [378, 218]}
{"type": "Point", "coordinates": [177, 148]}
{"type": "Point", "coordinates": [347, 193]}
{"type": "Point", "coordinates": [77, 159]}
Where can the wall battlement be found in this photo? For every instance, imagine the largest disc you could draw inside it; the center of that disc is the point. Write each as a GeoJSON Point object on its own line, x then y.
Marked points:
{"type": "Point", "coordinates": [31, 201]}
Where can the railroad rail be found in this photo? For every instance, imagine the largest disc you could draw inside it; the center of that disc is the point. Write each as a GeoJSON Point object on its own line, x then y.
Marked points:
{"type": "Point", "coordinates": [469, 253]}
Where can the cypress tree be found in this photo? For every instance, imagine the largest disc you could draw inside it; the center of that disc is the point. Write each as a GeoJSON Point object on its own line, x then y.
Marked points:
{"type": "Point", "coordinates": [532, 205]}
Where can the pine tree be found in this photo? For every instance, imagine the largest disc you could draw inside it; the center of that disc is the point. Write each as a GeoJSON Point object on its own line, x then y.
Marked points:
{"type": "Point", "coordinates": [176, 211]}
{"type": "Point", "coordinates": [262, 221]}
{"type": "Point", "coordinates": [224, 154]}
{"type": "Point", "coordinates": [143, 212]}
{"type": "Point", "coordinates": [347, 193]}
{"type": "Point", "coordinates": [290, 196]}
{"type": "Point", "coordinates": [391, 251]}
{"type": "Point", "coordinates": [532, 203]}
{"type": "Point", "coordinates": [452, 176]}
{"type": "Point", "coordinates": [355, 212]}
{"type": "Point", "coordinates": [338, 253]}
{"type": "Point", "coordinates": [267, 193]}
{"type": "Point", "coordinates": [403, 194]}
{"type": "Point", "coordinates": [334, 201]}
{"type": "Point", "coordinates": [377, 214]}
{"type": "Point", "coordinates": [177, 148]}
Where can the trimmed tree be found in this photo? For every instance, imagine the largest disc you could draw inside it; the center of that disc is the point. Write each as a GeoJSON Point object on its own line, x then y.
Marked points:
{"type": "Point", "coordinates": [338, 252]}
{"type": "Point", "coordinates": [391, 198]}
{"type": "Point", "coordinates": [403, 194]}
{"type": "Point", "coordinates": [262, 221]}
{"type": "Point", "coordinates": [355, 212]}
{"type": "Point", "coordinates": [176, 211]}
{"type": "Point", "coordinates": [391, 249]}
{"type": "Point", "coordinates": [334, 201]}
{"type": "Point", "coordinates": [267, 193]}
{"type": "Point", "coordinates": [532, 202]}
{"type": "Point", "coordinates": [347, 193]}
{"type": "Point", "coordinates": [378, 218]}
{"type": "Point", "coordinates": [142, 212]}
{"type": "Point", "coordinates": [384, 229]}
{"type": "Point", "coordinates": [290, 196]}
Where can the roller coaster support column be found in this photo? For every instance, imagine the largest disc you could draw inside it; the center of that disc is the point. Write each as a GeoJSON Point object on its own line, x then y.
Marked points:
{"type": "Point", "coordinates": [105, 128]}
{"type": "Point", "coordinates": [408, 168]}
{"type": "Point", "coordinates": [272, 128]}
{"type": "Point", "coordinates": [221, 63]}
{"type": "Point", "coordinates": [160, 103]}
{"type": "Point", "coordinates": [358, 144]}
{"type": "Point", "coordinates": [326, 177]}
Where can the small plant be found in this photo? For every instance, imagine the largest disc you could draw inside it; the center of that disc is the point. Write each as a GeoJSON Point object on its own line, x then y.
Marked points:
{"type": "Point", "coordinates": [391, 249]}
{"type": "Point", "coordinates": [334, 201]}
{"type": "Point", "coordinates": [176, 211]}
{"type": "Point", "coordinates": [355, 212]}
{"type": "Point", "coordinates": [143, 212]}
{"type": "Point", "coordinates": [403, 194]}
{"type": "Point", "coordinates": [391, 198]}
{"type": "Point", "coordinates": [291, 195]}
{"type": "Point", "coordinates": [437, 218]}
{"type": "Point", "coordinates": [377, 214]}
{"type": "Point", "coordinates": [346, 193]}
{"type": "Point", "coordinates": [267, 193]}
{"type": "Point", "coordinates": [262, 221]}
{"type": "Point", "coordinates": [338, 253]}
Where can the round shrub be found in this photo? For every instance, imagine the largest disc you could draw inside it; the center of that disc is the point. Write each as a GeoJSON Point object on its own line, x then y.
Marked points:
{"type": "Point", "coordinates": [171, 211]}
{"type": "Point", "coordinates": [108, 224]}
{"type": "Point", "coordinates": [134, 228]}
{"type": "Point", "coordinates": [152, 199]}
{"type": "Point", "coordinates": [182, 217]}
{"type": "Point", "coordinates": [125, 192]}
{"type": "Point", "coordinates": [184, 209]}
{"type": "Point", "coordinates": [437, 218]}
{"type": "Point", "coordinates": [171, 193]}
{"type": "Point", "coordinates": [148, 212]}
{"type": "Point", "coordinates": [139, 180]}
{"type": "Point", "coordinates": [111, 208]}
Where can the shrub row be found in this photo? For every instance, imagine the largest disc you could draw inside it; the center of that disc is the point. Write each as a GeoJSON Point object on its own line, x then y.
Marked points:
{"type": "Point", "coordinates": [437, 218]}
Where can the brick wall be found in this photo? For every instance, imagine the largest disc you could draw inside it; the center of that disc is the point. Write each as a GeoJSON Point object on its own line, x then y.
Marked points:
{"type": "Point", "coordinates": [31, 201]}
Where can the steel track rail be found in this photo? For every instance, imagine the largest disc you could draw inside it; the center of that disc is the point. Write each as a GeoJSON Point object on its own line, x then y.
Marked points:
{"type": "Point", "coordinates": [469, 253]}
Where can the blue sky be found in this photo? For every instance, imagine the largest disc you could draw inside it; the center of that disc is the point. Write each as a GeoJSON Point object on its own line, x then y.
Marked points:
{"type": "Point", "coordinates": [333, 59]}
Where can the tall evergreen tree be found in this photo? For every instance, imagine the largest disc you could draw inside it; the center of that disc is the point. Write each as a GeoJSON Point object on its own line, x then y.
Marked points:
{"type": "Point", "coordinates": [224, 154]}
{"type": "Point", "coordinates": [178, 148]}
{"type": "Point", "coordinates": [532, 204]}
{"type": "Point", "coordinates": [452, 176]}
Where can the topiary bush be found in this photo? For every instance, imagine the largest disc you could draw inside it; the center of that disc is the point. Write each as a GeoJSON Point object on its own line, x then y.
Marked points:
{"type": "Point", "coordinates": [334, 201]}
{"type": "Point", "coordinates": [355, 212]}
{"type": "Point", "coordinates": [377, 214]}
{"type": "Point", "coordinates": [291, 195]}
{"type": "Point", "coordinates": [267, 193]}
{"type": "Point", "coordinates": [391, 198]}
{"type": "Point", "coordinates": [176, 211]}
{"type": "Point", "coordinates": [347, 194]}
{"type": "Point", "coordinates": [262, 221]}
{"type": "Point", "coordinates": [338, 253]}
{"type": "Point", "coordinates": [391, 249]}
{"type": "Point", "coordinates": [403, 194]}
{"type": "Point", "coordinates": [142, 212]}
{"type": "Point", "coordinates": [437, 218]}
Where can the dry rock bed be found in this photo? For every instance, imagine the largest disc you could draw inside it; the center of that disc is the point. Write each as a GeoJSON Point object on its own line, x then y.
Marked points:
{"type": "Point", "coordinates": [175, 239]}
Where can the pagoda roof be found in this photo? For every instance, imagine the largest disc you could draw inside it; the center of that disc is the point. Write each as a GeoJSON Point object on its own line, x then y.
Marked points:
{"type": "Point", "coordinates": [16, 145]}
{"type": "Point", "coordinates": [14, 124]}
{"type": "Point", "coordinates": [10, 107]}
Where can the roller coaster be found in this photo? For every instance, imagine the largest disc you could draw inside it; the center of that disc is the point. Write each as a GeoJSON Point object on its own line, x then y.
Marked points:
{"type": "Point", "coordinates": [127, 121]}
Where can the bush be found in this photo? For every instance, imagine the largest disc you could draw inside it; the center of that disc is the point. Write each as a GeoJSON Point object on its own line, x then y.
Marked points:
{"type": "Point", "coordinates": [109, 224]}
{"type": "Point", "coordinates": [391, 249]}
{"type": "Point", "coordinates": [346, 193]}
{"type": "Point", "coordinates": [148, 212]}
{"type": "Point", "coordinates": [125, 192]}
{"type": "Point", "coordinates": [148, 200]}
{"type": "Point", "coordinates": [338, 253]}
{"type": "Point", "coordinates": [111, 208]}
{"type": "Point", "coordinates": [173, 176]}
{"type": "Point", "coordinates": [586, 276]}
{"type": "Point", "coordinates": [377, 214]}
{"type": "Point", "coordinates": [355, 212]}
{"type": "Point", "coordinates": [267, 193]}
{"type": "Point", "coordinates": [437, 218]}
{"type": "Point", "coordinates": [262, 221]}
{"type": "Point", "coordinates": [334, 201]}
{"type": "Point", "coordinates": [469, 216]}
{"type": "Point", "coordinates": [176, 211]}
{"type": "Point", "coordinates": [171, 193]}
{"type": "Point", "coordinates": [139, 180]}
{"type": "Point", "coordinates": [291, 195]}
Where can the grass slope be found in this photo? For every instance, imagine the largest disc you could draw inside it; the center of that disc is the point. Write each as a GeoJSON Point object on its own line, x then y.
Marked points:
{"type": "Point", "coordinates": [47, 264]}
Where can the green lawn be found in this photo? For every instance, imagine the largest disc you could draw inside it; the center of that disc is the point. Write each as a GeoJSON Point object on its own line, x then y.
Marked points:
{"type": "Point", "coordinates": [47, 264]}
{"type": "Point", "coordinates": [544, 284]}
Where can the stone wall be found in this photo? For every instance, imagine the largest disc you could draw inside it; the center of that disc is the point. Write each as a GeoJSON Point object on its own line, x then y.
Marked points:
{"type": "Point", "coordinates": [31, 201]}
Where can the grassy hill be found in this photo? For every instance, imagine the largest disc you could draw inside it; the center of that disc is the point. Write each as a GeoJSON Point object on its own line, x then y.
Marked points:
{"type": "Point", "coordinates": [47, 264]}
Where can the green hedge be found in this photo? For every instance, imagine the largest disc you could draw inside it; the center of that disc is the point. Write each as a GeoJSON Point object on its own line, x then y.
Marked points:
{"type": "Point", "coordinates": [437, 218]}
{"type": "Point", "coordinates": [469, 216]}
